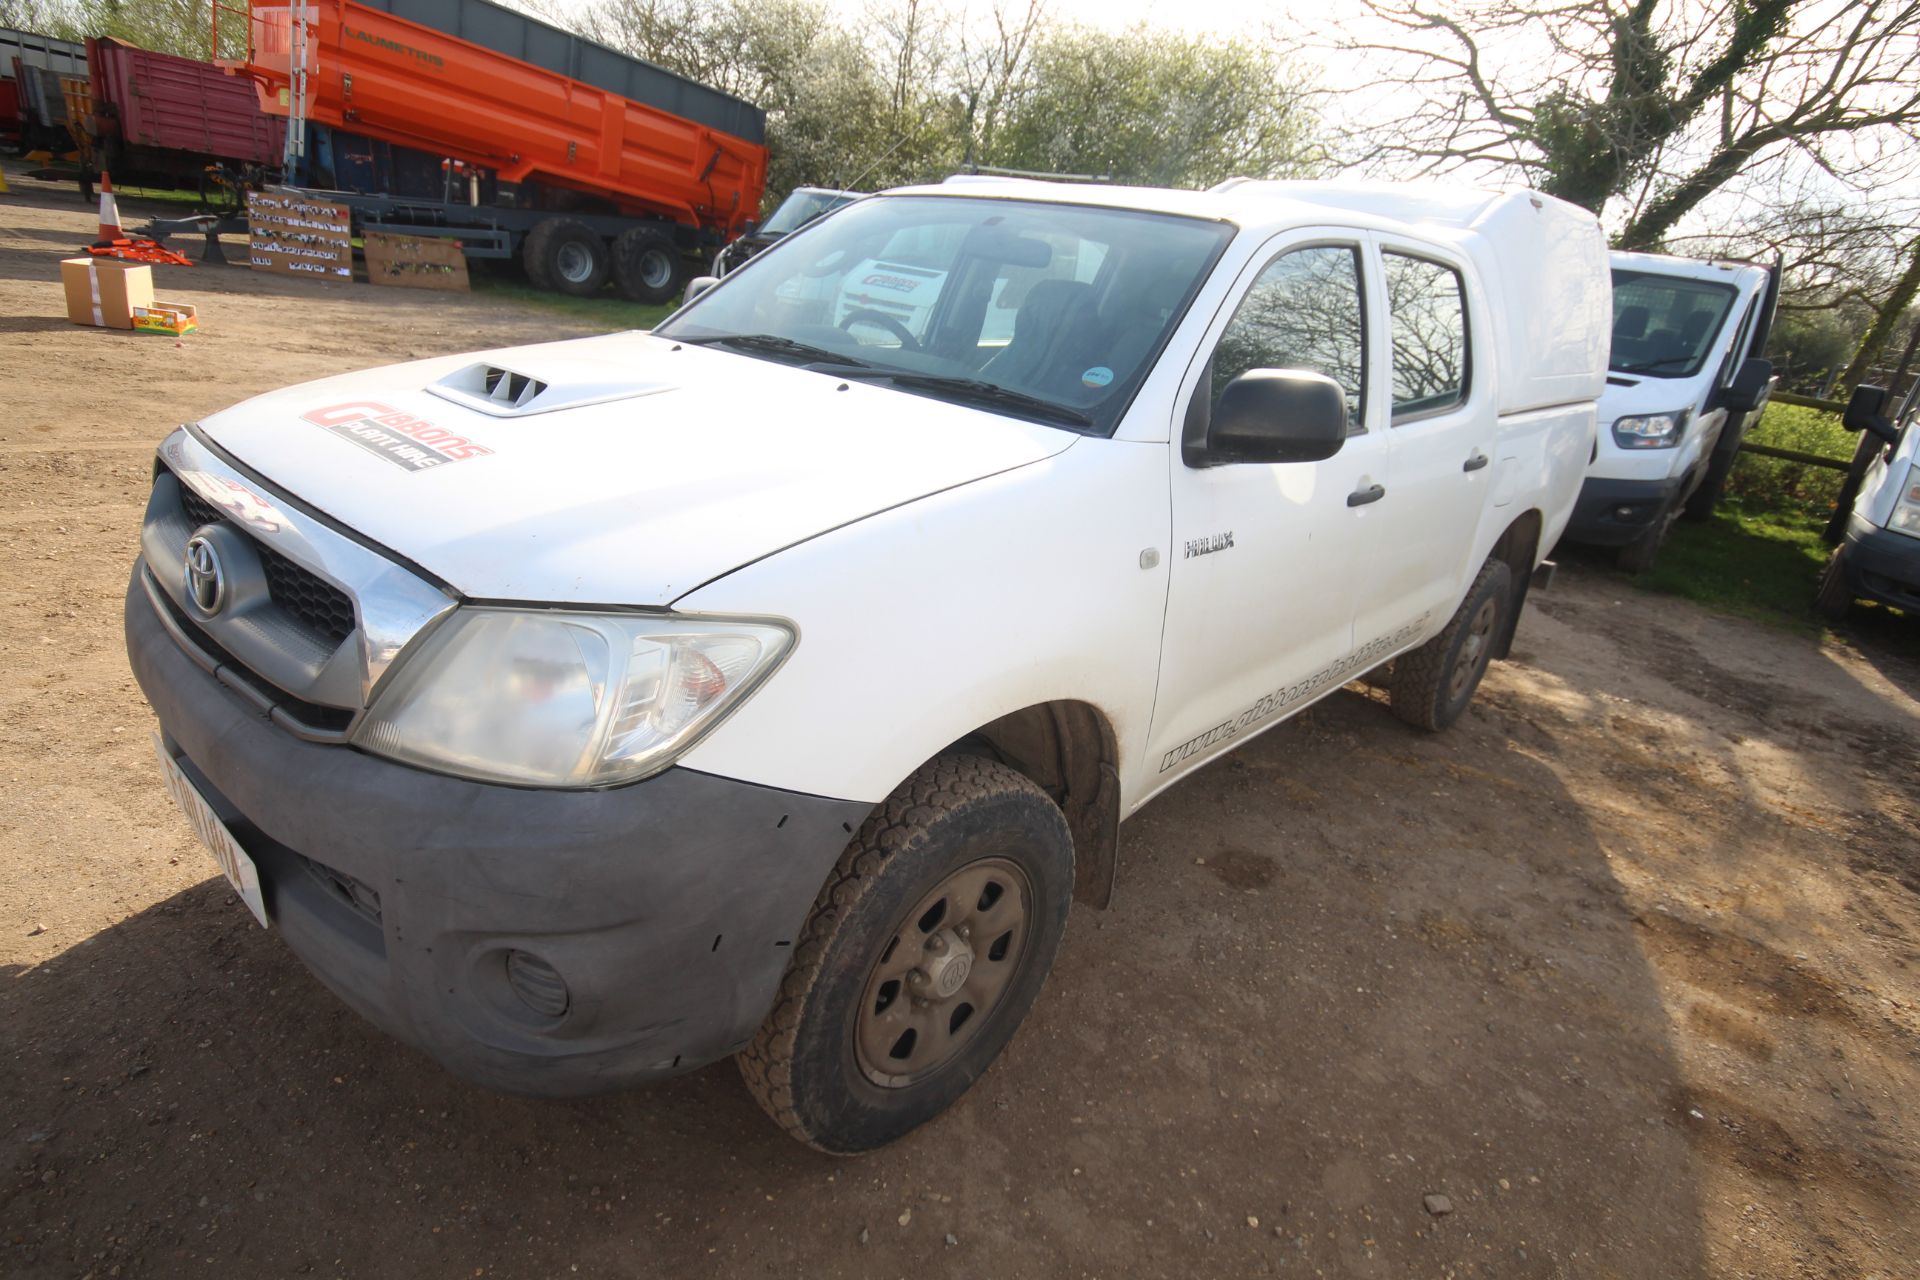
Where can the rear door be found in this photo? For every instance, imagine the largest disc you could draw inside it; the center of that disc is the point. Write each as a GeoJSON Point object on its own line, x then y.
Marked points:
{"type": "Point", "coordinates": [1440, 439]}
{"type": "Point", "coordinates": [1267, 558]}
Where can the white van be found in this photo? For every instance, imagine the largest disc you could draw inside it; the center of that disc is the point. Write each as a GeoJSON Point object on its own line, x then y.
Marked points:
{"type": "Point", "coordinates": [1876, 527]}
{"type": "Point", "coordinates": [1685, 379]}
{"type": "Point", "coordinates": [768, 684]}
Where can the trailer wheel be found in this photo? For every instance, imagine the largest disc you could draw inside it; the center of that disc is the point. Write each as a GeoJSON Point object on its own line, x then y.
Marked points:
{"type": "Point", "coordinates": [564, 255]}
{"type": "Point", "coordinates": [647, 265]}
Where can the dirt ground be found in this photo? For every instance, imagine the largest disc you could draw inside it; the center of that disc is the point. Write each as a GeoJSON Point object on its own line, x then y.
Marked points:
{"type": "Point", "coordinates": [1624, 966]}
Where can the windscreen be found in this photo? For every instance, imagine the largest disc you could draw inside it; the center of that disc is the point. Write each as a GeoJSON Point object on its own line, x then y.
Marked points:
{"type": "Point", "coordinates": [1665, 326]}
{"type": "Point", "coordinates": [800, 208]}
{"type": "Point", "coordinates": [1053, 312]}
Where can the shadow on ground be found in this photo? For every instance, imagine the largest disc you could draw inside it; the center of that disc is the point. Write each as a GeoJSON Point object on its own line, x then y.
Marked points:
{"type": "Point", "coordinates": [1348, 968]}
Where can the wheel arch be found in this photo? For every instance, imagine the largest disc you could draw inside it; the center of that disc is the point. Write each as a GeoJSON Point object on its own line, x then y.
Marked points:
{"type": "Point", "coordinates": [1069, 749]}
{"type": "Point", "coordinates": [1519, 546]}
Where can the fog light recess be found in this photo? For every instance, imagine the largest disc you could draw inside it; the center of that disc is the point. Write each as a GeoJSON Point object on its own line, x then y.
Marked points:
{"type": "Point", "coordinates": [537, 983]}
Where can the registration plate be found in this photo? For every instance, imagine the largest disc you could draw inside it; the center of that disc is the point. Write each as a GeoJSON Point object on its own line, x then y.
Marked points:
{"type": "Point", "coordinates": [213, 833]}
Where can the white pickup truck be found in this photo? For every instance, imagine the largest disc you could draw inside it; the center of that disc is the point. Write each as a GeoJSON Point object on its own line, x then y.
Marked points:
{"type": "Point", "coordinates": [1686, 377]}
{"type": "Point", "coordinates": [768, 684]}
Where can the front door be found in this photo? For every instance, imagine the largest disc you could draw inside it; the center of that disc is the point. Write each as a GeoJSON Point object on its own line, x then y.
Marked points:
{"type": "Point", "coordinates": [1267, 558]}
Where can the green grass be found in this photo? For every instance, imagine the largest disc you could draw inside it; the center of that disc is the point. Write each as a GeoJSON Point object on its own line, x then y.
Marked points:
{"type": "Point", "coordinates": [1776, 484]}
{"type": "Point", "coordinates": [1757, 563]}
{"type": "Point", "coordinates": [608, 311]}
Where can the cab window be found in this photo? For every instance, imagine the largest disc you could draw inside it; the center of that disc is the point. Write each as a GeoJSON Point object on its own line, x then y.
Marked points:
{"type": "Point", "coordinates": [1304, 311]}
{"type": "Point", "coordinates": [1427, 305]}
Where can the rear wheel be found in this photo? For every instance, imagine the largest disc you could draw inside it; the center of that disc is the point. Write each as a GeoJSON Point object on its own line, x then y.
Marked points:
{"type": "Point", "coordinates": [647, 265]}
{"type": "Point", "coordinates": [1835, 598]}
{"type": "Point", "coordinates": [1433, 685]}
{"type": "Point", "coordinates": [564, 255]}
{"type": "Point", "coordinates": [922, 956]}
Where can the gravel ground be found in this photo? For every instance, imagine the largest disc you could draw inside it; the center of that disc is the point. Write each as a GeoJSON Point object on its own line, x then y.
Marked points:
{"type": "Point", "coordinates": [1615, 979]}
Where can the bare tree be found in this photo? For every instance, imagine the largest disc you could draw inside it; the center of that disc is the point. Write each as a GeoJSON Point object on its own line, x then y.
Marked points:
{"type": "Point", "coordinates": [1655, 104]}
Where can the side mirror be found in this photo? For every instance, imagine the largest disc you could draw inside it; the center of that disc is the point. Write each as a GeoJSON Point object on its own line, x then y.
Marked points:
{"type": "Point", "coordinates": [1867, 411]}
{"type": "Point", "coordinates": [699, 285]}
{"type": "Point", "coordinates": [1750, 388]}
{"type": "Point", "coordinates": [1278, 415]}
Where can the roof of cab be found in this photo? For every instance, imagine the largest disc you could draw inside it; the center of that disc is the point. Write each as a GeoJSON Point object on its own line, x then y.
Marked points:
{"type": "Point", "coordinates": [1252, 203]}
{"type": "Point", "coordinates": [1688, 268]}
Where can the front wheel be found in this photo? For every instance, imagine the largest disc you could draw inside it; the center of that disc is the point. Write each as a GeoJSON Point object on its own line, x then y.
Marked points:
{"type": "Point", "coordinates": [1433, 685]}
{"type": "Point", "coordinates": [923, 954]}
{"type": "Point", "coordinates": [1835, 598]}
{"type": "Point", "coordinates": [566, 256]}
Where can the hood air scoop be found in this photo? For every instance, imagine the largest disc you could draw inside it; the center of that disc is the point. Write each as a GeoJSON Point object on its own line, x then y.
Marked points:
{"type": "Point", "coordinates": [507, 393]}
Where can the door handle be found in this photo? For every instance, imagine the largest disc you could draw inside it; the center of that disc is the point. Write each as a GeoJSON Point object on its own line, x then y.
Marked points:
{"type": "Point", "coordinates": [1361, 497]}
{"type": "Point", "coordinates": [1476, 461]}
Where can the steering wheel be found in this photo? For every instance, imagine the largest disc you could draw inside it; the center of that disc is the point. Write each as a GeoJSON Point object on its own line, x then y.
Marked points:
{"type": "Point", "coordinates": [887, 322]}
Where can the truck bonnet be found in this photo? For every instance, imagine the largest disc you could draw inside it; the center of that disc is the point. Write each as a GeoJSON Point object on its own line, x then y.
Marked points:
{"type": "Point", "coordinates": [621, 470]}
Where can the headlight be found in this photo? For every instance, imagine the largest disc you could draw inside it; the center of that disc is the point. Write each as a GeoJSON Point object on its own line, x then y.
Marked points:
{"type": "Point", "coordinates": [1906, 512]}
{"type": "Point", "coordinates": [556, 699]}
{"type": "Point", "coordinates": [1650, 430]}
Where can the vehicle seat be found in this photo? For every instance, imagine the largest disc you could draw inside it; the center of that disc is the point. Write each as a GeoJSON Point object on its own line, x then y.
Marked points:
{"type": "Point", "coordinates": [1631, 324]}
{"type": "Point", "coordinates": [1055, 327]}
{"type": "Point", "coordinates": [1694, 328]}
{"type": "Point", "coordinates": [1137, 316]}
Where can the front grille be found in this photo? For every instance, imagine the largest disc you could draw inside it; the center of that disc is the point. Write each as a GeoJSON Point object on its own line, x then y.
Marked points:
{"type": "Point", "coordinates": [315, 720]}
{"type": "Point", "coordinates": [310, 599]}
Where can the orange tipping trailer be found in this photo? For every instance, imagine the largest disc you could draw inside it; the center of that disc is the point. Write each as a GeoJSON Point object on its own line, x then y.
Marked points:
{"type": "Point", "coordinates": [564, 126]}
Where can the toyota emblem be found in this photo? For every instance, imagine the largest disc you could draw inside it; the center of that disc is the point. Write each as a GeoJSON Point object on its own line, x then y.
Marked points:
{"type": "Point", "coordinates": [206, 581]}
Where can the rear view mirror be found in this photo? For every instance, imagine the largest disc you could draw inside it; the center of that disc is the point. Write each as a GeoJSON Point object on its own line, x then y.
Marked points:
{"type": "Point", "coordinates": [1278, 415]}
{"type": "Point", "coordinates": [1751, 385]}
{"type": "Point", "coordinates": [1867, 412]}
{"type": "Point", "coordinates": [699, 285]}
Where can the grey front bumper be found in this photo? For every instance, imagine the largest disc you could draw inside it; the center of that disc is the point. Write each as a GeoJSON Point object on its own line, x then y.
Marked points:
{"type": "Point", "coordinates": [1882, 565]}
{"type": "Point", "coordinates": [1612, 513]}
{"type": "Point", "coordinates": [668, 907]}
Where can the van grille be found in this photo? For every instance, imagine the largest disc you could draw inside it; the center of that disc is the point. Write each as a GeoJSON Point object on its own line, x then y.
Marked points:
{"type": "Point", "coordinates": [310, 599]}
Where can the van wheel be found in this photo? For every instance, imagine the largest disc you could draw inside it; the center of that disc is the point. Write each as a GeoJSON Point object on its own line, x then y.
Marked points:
{"type": "Point", "coordinates": [1835, 598]}
{"type": "Point", "coordinates": [564, 255]}
{"type": "Point", "coordinates": [647, 265]}
{"type": "Point", "coordinates": [1638, 556]}
{"type": "Point", "coordinates": [924, 951]}
{"type": "Point", "coordinates": [1433, 685]}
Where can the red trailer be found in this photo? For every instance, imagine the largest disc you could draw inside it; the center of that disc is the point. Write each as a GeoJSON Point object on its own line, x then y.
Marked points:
{"type": "Point", "coordinates": [163, 119]}
{"type": "Point", "coordinates": [10, 121]}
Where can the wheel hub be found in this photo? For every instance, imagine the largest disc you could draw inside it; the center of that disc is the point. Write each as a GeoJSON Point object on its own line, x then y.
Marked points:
{"type": "Point", "coordinates": [947, 967]}
{"type": "Point", "coordinates": [941, 974]}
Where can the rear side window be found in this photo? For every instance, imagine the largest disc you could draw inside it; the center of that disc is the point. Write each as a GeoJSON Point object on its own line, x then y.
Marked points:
{"type": "Point", "coordinates": [1304, 311]}
{"type": "Point", "coordinates": [1428, 305]}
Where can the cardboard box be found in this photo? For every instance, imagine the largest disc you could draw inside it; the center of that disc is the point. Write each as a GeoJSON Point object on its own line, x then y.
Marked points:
{"type": "Point", "coordinates": [104, 291]}
{"type": "Point", "coordinates": [171, 318]}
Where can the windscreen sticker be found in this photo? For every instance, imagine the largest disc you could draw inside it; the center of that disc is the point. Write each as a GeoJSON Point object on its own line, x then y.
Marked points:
{"type": "Point", "coordinates": [400, 438]}
{"type": "Point", "coordinates": [1098, 376]}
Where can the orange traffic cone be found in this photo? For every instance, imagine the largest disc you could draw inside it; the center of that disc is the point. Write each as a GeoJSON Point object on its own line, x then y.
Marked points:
{"type": "Point", "coordinates": [109, 211]}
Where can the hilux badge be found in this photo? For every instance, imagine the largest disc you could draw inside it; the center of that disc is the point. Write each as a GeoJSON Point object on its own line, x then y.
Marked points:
{"type": "Point", "coordinates": [206, 581]}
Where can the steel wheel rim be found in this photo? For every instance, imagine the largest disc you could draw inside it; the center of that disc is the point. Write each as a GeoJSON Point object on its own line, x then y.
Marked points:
{"type": "Point", "coordinates": [1474, 647]}
{"type": "Point", "coordinates": [574, 263]}
{"type": "Point", "coordinates": [656, 269]}
{"type": "Point", "coordinates": [943, 972]}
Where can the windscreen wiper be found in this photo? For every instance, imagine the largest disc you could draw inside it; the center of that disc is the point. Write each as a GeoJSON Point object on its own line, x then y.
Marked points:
{"type": "Point", "coordinates": [975, 391]}
{"type": "Point", "coordinates": [774, 345]}
{"type": "Point", "coordinates": [1651, 365]}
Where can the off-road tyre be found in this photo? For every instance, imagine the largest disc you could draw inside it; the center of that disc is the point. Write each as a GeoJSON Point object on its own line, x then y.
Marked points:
{"type": "Point", "coordinates": [1433, 684]}
{"type": "Point", "coordinates": [802, 1067]}
{"type": "Point", "coordinates": [1638, 556]}
{"type": "Point", "coordinates": [1835, 597]}
{"type": "Point", "coordinates": [648, 266]}
{"type": "Point", "coordinates": [564, 255]}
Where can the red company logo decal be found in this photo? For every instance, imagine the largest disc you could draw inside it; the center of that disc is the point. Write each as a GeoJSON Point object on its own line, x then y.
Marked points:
{"type": "Point", "coordinates": [401, 438]}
